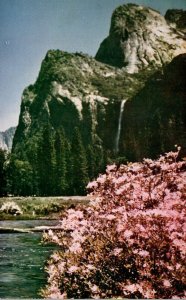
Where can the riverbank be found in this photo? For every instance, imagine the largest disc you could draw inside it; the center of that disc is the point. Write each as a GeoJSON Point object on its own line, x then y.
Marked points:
{"type": "Point", "coordinates": [40, 207]}
{"type": "Point", "coordinates": [23, 256]}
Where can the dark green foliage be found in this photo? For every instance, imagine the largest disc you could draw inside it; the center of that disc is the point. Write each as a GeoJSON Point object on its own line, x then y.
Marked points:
{"type": "Point", "coordinates": [91, 161]}
{"type": "Point", "coordinates": [100, 159]}
{"type": "Point", "coordinates": [79, 164]}
{"type": "Point", "coordinates": [2, 173]}
{"type": "Point", "coordinates": [87, 125]}
{"type": "Point", "coordinates": [20, 177]}
{"type": "Point", "coordinates": [46, 163]}
{"type": "Point", "coordinates": [69, 163]}
{"type": "Point", "coordinates": [117, 160]}
{"type": "Point", "coordinates": [115, 88]}
{"type": "Point", "coordinates": [97, 159]}
{"type": "Point", "coordinates": [56, 166]}
{"type": "Point", "coordinates": [61, 184]}
{"type": "Point", "coordinates": [64, 113]}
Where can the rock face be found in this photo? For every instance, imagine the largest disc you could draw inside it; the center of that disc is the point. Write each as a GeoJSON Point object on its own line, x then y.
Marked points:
{"type": "Point", "coordinates": [140, 37]}
{"type": "Point", "coordinates": [128, 102]}
{"type": "Point", "coordinates": [6, 138]}
{"type": "Point", "coordinates": [74, 90]}
{"type": "Point", "coordinates": [155, 119]}
{"type": "Point", "coordinates": [176, 18]}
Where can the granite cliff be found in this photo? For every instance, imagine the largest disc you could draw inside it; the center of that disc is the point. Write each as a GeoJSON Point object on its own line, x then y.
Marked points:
{"type": "Point", "coordinates": [6, 138]}
{"type": "Point", "coordinates": [127, 102]}
{"type": "Point", "coordinates": [155, 120]}
{"type": "Point", "coordinates": [140, 37]}
{"type": "Point", "coordinates": [74, 90]}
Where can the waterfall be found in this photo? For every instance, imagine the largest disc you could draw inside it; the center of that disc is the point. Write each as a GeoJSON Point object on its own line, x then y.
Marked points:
{"type": "Point", "coordinates": [119, 125]}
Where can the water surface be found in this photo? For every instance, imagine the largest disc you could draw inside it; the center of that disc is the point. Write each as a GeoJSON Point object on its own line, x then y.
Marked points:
{"type": "Point", "coordinates": [22, 260]}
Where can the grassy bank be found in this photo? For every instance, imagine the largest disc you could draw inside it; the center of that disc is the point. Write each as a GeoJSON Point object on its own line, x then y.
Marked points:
{"type": "Point", "coordinates": [40, 207]}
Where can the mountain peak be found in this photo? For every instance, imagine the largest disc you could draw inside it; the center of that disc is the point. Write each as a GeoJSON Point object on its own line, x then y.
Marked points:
{"type": "Point", "coordinates": [6, 138]}
{"type": "Point", "coordinates": [140, 37]}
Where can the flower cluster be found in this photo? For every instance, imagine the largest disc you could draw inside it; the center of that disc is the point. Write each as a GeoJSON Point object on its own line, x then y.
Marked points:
{"type": "Point", "coordinates": [129, 241]}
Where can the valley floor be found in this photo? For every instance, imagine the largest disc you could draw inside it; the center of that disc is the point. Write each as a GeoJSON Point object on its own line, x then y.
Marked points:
{"type": "Point", "coordinates": [40, 207]}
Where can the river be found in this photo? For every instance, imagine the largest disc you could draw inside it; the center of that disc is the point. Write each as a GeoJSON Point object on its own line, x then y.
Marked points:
{"type": "Point", "coordinates": [22, 260]}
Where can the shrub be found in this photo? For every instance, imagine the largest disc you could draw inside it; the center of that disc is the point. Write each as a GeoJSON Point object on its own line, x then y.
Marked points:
{"type": "Point", "coordinates": [11, 208]}
{"type": "Point", "coordinates": [129, 242]}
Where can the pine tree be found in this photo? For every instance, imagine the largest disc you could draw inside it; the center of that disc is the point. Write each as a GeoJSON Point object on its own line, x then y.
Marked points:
{"type": "Point", "coordinates": [46, 162]}
{"type": "Point", "coordinates": [79, 164]}
{"type": "Point", "coordinates": [91, 162]}
{"type": "Point", "coordinates": [99, 159]}
{"type": "Point", "coordinates": [61, 185]}
{"type": "Point", "coordinates": [69, 163]}
{"type": "Point", "coordinates": [2, 172]}
{"type": "Point", "coordinates": [19, 177]}
{"type": "Point", "coordinates": [32, 155]}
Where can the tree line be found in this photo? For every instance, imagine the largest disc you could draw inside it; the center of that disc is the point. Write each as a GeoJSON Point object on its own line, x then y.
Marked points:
{"type": "Point", "coordinates": [56, 166]}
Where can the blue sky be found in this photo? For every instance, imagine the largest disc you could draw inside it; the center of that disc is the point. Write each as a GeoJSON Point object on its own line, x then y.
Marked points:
{"type": "Point", "coordinates": [29, 28]}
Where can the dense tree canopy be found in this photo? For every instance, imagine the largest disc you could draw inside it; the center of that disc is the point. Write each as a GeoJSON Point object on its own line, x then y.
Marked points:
{"type": "Point", "coordinates": [55, 165]}
{"type": "Point", "coordinates": [2, 172]}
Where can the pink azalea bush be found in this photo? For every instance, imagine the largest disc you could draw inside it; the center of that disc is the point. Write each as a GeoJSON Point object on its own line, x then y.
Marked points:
{"type": "Point", "coordinates": [130, 242]}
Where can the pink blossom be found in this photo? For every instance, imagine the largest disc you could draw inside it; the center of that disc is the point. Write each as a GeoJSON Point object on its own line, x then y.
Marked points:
{"type": "Point", "coordinates": [111, 168]}
{"type": "Point", "coordinates": [55, 293]}
{"type": "Point", "coordinates": [143, 253]}
{"type": "Point", "coordinates": [110, 217]}
{"type": "Point", "coordinates": [141, 228]}
{"type": "Point", "coordinates": [120, 228]}
{"type": "Point", "coordinates": [92, 184]}
{"type": "Point", "coordinates": [101, 178]}
{"type": "Point", "coordinates": [178, 266]}
{"type": "Point", "coordinates": [77, 235]}
{"type": "Point", "coordinates": [166, 283]}
{"type": "Point", "coordinates": [131, 288]}
{"type": "Point", "coordinates": [76, 248]}
{"type": "Point", "coordinates": [90, 267]}
{"type": "Point", "coordinates": [120, 191]}
{"type": "Point", "coordinates": [120, 179]}
{"type": "Point", "coordinates": [73, 269]}
{"type": "Point", "coordinates": [117, 251]}
{"type": "Point", "coordinates": [83, 222]}
{"type": "Point", "coordinates": [94, 288]}
{"type": "Point", "coordinates": [55, 256]}
{"type": "Point", "coordinates": [61, 266]}
{"type": "Point", "coordinates": [76, 214]}
{"type": "Point", "coordinates": [135, 227]}
{"type": "Point", "coordinates": [128, 233]}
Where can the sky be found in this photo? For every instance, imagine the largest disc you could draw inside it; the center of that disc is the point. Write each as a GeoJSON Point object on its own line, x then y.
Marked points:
{"type": "Point", "coordinates": [29, 28]}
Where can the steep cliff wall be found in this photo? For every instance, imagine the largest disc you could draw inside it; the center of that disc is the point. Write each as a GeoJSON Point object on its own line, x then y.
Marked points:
{"type": "Point", "coordinates": [74, 90]}
{"type": "Point", "coordinates": [129, 102]}
{"type": "Point", "coordinates": [155, 119]}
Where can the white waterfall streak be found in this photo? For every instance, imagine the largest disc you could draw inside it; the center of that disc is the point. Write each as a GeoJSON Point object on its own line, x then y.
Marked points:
{"type": "Point", "coordinates": [119, 124]}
